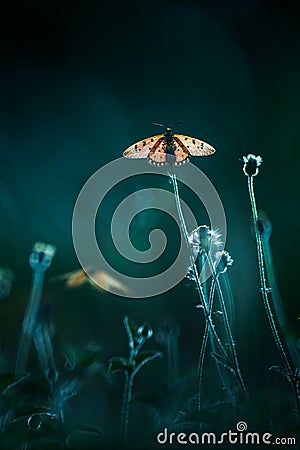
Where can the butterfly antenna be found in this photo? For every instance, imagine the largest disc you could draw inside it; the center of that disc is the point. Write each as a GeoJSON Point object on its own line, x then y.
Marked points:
{"type": "Point", "coordinates": [158, 124]}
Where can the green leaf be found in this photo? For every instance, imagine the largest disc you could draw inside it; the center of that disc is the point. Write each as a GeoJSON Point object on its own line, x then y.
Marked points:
{"type": "Point", "coordinates": [143, 358]}
{"type": "Point", "coordinates": [80, 359]}
{"type": "Point", "coordinates": [118, 363]}
{"type": "Point", "coordinates": [9, 380]}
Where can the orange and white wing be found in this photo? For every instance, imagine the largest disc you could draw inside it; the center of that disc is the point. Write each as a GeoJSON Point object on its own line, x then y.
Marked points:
{"type": "Point", "coordinates": [158, 154]}
{"type": "Point", "coordinates": [103, 280]}
{"type": "Point", "coordinates": [192, 145]}
{"type": "Point", "coordinates": [181, 152]}
{"type": "Point", "coordinates": [72, 279]}
{"type": "Point", "coordinates": [142, 148]}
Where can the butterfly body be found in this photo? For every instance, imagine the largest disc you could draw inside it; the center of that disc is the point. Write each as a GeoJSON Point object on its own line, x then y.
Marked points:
{"type": "Point", "coordinates": [168, 147]}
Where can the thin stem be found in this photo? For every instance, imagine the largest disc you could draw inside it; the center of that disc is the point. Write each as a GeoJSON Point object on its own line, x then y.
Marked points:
{"type": "Point", "coordinates": [44, 348]}
{"type": "Point", "coordinates": [207, 332]}
{"type": "Point", "coordinates": [194, 267]}
{"type": "Point", "coordinates": [230, 300]}
{"type": "Point", "coordinates": [127, 397]}
{"type": "Point", "coordinates": [227, 327]}
{"type": "Point", "coordinates": [29, 322]}
{"type": "Point", "coordinates": [203, 348]}
{"type": "Point", "coordinates": [277, 301]}
{"type": "Point", "coordinates": [265, 290]}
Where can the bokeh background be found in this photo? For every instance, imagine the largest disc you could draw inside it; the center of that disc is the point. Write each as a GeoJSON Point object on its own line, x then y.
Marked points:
{"type": "Point", "coordinates": [80, 82]}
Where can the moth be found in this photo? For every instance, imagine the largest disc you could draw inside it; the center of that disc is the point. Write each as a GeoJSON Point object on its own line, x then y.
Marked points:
{"type": "Point", "coordinates": [164, 147]}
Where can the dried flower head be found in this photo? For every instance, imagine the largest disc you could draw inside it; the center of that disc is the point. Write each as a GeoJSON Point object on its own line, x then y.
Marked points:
{"type": "Point", "coordinates": [251, 164]}
{"type": "Point", "coordinates": [41, 256]}
{"type": "Point", "coordinates": [223, 261]}
{"type": "Point", "coordinates": [203, 239]}
{"type": "Point", "coordinates": [6, 279]}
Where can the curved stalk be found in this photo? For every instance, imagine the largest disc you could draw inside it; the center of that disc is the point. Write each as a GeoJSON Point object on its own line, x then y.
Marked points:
{"type": "Point", "coordinates": [227, 328]}
{"type": "Point", "coordinates": [277, 301]}
{"type": "Point", "coordinates": [193, 266]}
{"type": "Point", "coordinates": [203, 348]}
{"type": "Point", "coordinates": [40, 260]}
{"type": "Point", "coordinates": [264, 291]}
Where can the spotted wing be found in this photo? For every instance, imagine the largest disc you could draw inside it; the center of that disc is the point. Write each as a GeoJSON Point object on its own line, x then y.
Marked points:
{"type": "Point", "coordinates": [191, 145]}
{"type": "Point", "coordinates": [158, 154]}
{"type": "Point", "coordinates": [181, 152]}
{"type": "Point", "coordinates": [142, 148]}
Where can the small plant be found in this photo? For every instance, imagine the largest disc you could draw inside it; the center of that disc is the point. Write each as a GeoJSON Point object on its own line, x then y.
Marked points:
{"type": "Point", "coordinates": [265, 230]}
{"type": "Point", "coordinates": [202, 243]}
{"type": "Point", "coordinates": [251, 169]}
{"type": "Point", "coordinates": [43, 344]}
{"type": "Point", "coordinates": [137, 336]}
{"type": "Point", "coordinates": [40, 260]}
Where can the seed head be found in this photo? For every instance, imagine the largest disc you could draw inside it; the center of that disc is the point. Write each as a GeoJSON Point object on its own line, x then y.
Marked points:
{"type": "Point", "coordinates": [203, 239]}
{"type": "Point", "coordinates": [251, 164]}
{"type": "Point", "coordinates": [223, 261]}
{"type": "Point", "coordinates": [41, 256]}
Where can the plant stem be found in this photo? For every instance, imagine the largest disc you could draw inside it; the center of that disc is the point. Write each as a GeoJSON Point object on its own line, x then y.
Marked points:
{"type": "Point", "coordinates": [30, 320]}
{"type": "Point", "coordinates": [203, 348]}
{"type": "Point", "coordinates": [194, 267]}
{"type": "Point", "coordinates": [277, 301]}
{"type": "Point", "coordinates": [44, 348]}
{"type": "Point", "coordinates": [127, 397]}
{"type": "Point", "coordinates": [227, 328]}
{"type": "Point", "coordinates": [264, 290]}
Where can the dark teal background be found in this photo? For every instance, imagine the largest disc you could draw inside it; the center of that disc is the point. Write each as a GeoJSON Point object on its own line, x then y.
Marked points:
{"type": "Point", "coordinates": [80, 82]}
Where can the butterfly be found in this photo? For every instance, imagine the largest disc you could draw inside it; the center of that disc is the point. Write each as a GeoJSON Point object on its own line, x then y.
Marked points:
{"type": "Point", "coordinates": [101, 280]}
{"type": "Point", "coordinates": [158, 148]}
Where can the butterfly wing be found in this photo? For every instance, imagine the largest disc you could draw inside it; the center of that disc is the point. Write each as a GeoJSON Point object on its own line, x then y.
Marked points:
{"type": "Point", "coordinates": [195, 147]}
{"type": "Point", "coordinates": [158, 154]}
{"type": "Point", "coordinates": [180, 151]}
{"type": "Point", "coordinates": [142, 148]}
{"type": "Point", "coordinates": [72, 279]}
{"type": "Point", "coordinates": [103, 280]}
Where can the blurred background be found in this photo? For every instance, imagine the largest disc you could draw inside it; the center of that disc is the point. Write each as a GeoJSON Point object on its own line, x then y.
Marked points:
{"type": "Point", "coordinates": [80, 82]}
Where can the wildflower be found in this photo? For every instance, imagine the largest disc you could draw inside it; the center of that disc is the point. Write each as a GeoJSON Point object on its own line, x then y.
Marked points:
{"type": "Point", "coordinates": [223, 261]}
{"type": "Point", "coordinates": [6, 279]}
{"type": "Point", "coordinates": [40, 260]}
{"type": "Point", "coordinates": [204, 239]}
{"type": "Point", "coordinates": [136, 359]}
{"type": "Point", "coordinates": [251, 164]}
